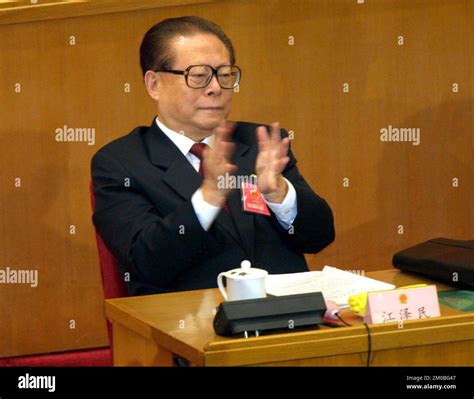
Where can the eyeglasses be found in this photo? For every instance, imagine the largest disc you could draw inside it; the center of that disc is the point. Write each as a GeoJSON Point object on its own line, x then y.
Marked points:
{"type": "Point", "coordinates": [199, 76]}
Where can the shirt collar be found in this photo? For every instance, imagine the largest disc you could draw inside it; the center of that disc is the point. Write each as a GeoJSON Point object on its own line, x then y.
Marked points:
{"type": "Point", "coordinates": [183, 143]}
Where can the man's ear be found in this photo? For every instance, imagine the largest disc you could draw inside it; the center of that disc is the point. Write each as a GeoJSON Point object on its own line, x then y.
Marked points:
{"type": "Point", "coordinates": [152, 84]}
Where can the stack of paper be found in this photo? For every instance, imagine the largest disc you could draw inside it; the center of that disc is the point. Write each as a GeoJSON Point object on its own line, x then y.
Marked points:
{"type": "Point", "coordinates": [335, 284]}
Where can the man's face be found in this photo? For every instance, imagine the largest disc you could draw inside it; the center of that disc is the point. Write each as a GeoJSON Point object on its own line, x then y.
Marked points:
{"type": "Point", "coordinates": [194, 111]}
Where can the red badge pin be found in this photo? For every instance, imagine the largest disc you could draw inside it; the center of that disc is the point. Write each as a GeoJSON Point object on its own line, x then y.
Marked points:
{"type": "Point", "coordinates": [252, 199]}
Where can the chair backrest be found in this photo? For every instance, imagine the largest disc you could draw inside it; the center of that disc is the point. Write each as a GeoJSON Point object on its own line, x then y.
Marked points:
{"type": "Point", "coordinates": [112, 282]}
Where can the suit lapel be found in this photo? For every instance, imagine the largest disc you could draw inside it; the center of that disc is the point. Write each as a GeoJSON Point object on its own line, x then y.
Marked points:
{"type": "Point", "coordinates": [182, 178]}
{"type": "Point", "coordinates": [186, 187]}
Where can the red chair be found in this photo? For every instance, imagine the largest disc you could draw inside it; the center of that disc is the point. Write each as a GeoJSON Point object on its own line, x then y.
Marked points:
{"type": "Point", "coordinates": [113, 284]}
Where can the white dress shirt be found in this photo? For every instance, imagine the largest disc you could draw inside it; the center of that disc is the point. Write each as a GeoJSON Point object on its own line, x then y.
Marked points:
{"type": "Point", "coordinates": [206, 213]}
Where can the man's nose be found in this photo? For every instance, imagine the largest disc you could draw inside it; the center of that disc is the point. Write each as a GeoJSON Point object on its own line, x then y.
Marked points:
{"type": "Point", "coordinates": [213, 86]}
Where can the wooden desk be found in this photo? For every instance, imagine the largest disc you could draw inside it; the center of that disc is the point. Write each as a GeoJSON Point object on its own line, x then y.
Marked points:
{"type": "Point", "coordinates": [150, 330]}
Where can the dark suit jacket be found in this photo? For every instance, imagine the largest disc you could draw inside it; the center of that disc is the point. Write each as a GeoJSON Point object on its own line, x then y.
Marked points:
{"type": "Point", "coordinates": [143, 186]}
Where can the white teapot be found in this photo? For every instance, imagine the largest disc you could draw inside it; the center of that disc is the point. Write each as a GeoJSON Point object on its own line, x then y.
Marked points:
{"type": "Point", "coordinates": [244, 283]}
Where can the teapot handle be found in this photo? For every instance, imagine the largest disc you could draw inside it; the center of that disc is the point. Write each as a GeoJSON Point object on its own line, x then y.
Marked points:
{"type": "Point", "coordinates": [220, 284]}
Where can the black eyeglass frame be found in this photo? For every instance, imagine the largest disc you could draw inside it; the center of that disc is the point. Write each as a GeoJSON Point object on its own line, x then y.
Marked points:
{"type": "Point", "coordinates": [215, 71]}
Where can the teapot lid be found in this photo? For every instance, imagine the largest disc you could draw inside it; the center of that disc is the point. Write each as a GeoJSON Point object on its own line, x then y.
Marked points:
{"type": "Point", "coordinates": [246, 271]}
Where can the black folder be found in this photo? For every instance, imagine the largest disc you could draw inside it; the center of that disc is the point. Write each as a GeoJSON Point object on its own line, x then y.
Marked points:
{"type": "Point", "coordinates": [443, 259]}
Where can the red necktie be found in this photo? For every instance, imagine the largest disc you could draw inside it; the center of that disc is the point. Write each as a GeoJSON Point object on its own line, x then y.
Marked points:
{"type": "Point", "coordinates": [198, 150]}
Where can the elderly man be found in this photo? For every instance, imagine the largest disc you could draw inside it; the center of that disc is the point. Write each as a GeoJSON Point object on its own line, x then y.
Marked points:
{"type": "Point", "coordinates": [165, 203]}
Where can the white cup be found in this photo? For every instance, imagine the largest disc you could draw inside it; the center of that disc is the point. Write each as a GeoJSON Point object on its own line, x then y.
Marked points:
{"type": "Point", "coordinates": [243, 283]}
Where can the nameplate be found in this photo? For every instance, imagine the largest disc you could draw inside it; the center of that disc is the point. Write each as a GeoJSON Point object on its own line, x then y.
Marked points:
{"type": "Point", "coordinates": [402, 304]}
